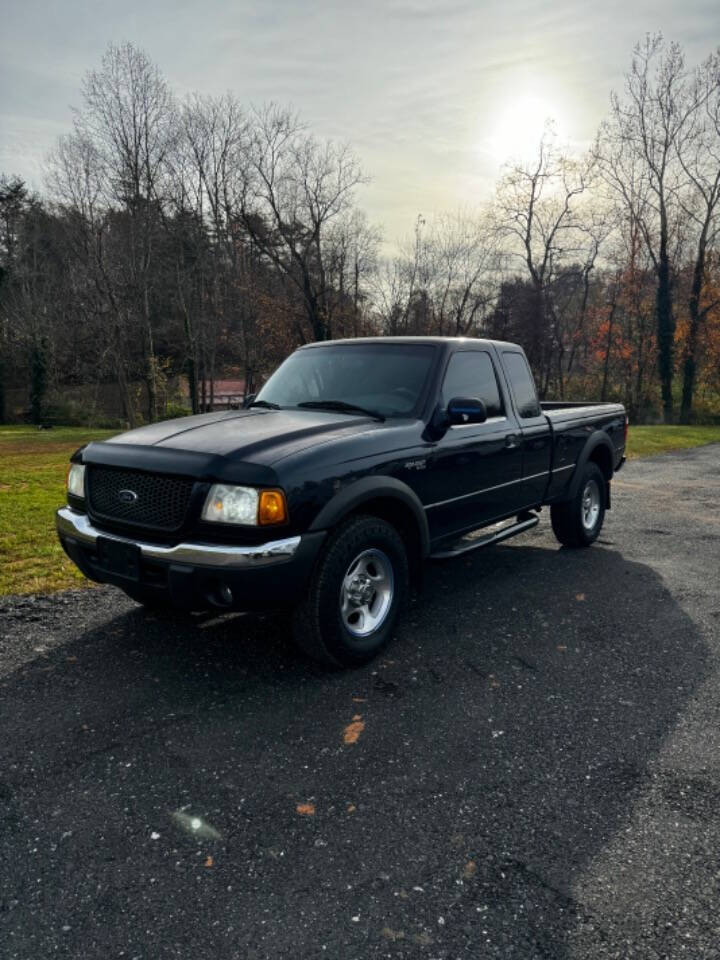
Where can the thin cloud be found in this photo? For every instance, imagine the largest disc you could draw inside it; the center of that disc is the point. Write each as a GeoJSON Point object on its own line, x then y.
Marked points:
{"type": "Point", "coordinates": [416, 85]}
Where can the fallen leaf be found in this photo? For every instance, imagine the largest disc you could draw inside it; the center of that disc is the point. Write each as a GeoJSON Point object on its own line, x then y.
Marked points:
{"type": "Point", "coordinates": [580, 596]}
{"type": "Point", "coordinates": [561, 647]}
{"type": "Point", "coordinates": [71, 659]}
{"type": "Point", "coordinates": [353, 730]}
{"type": "Point", "coordinates": [209, 862]}
{"type": "Point", "coordinates": [359, 699]}
{"type": "Point", "coordinates": [306, 809]}
{"type": "Point", "coordinates": [351, 808]}
{"type": "Point", "coordinates": [469, 870]}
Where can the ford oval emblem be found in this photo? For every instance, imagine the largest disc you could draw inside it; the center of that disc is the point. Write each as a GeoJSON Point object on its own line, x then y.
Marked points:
{"type": "Point", "coordinates": [127, 496]}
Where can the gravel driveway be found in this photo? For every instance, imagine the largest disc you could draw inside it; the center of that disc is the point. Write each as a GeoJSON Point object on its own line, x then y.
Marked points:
{"type": "Point", "coordinates": [533, 769]}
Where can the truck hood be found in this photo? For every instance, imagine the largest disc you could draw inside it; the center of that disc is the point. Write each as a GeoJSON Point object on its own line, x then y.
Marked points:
{"type": "Point", "coordinates": [261, 436]}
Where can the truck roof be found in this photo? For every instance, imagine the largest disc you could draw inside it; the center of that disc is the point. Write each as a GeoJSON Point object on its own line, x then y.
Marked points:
{"type": "Point", "coordinates": [419, 340]}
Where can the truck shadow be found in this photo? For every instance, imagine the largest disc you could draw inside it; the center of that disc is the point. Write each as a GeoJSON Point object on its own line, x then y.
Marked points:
{"type": "Point", "coordinates": [473, 773]}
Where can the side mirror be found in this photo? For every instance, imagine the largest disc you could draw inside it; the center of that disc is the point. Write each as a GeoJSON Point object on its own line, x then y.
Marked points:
{"type": "Point", "coordinates": [248, 400]}
{"type": "Point", "coordinates": [462, 410]}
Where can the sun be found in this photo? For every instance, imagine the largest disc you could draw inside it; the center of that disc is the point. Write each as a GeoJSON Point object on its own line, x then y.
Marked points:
{"type": "Point", "coordinates": [518, 126]}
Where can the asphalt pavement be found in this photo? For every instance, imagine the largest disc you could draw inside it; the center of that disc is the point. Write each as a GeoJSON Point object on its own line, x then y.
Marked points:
{"type": "Point", "coordinates": [532, 769]}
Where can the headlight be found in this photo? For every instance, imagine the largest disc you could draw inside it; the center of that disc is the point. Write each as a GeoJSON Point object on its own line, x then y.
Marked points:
{"type": "Point", "coordinates": [76, 480]}
{"type": "Point", "coordinates": [227, 503]}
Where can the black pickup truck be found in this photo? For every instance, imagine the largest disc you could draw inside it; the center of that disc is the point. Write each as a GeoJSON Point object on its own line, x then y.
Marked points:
{"type": "Point", "coordinates": [357, 460]}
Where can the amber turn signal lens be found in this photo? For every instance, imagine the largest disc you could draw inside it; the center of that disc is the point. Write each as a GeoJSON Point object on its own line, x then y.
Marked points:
{"type": "Point", "coordinates": [272, 507]}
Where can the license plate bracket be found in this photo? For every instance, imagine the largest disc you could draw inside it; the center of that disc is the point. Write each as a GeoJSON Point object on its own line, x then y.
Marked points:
{"type": "Point", "coordinates": [119, 558]}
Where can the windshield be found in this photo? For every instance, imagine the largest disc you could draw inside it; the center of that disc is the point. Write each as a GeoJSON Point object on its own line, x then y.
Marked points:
{"type": "Point", "coordinates": [386, 378]}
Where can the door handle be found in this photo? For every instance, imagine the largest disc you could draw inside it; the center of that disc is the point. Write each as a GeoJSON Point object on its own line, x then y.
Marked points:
{"type": "Point", "coordinates": [512, 440]}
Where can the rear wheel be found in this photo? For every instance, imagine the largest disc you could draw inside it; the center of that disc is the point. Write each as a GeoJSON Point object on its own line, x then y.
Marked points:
{"type": "Point", "coordinates": [357, 591]}
{"type": "Point", "coordinates": [578, 522]}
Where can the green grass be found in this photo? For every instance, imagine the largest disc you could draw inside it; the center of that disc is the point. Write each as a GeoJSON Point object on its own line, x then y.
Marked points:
{"type": "Point", "coordinates": [649, 441]}
{"type": "Point", "coordinates": [33, 467]}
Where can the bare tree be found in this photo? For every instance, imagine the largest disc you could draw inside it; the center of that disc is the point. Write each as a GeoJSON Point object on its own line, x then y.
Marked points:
{"type": "Point", "coordinates": [76, 181]}
{"type": "Point", "coordinates": [205, 167]}
{"type": "Point", "coordinates": [13, 198]}
{"type": "Point", "coordinates": [443, 281]}
{"type": "Point", "coordinates": [351, 252]}
{"type": "Point", "coordinates": [637, 152]}
{"type": "Point", "coordinates": [463, 261]}
{"type": "Point", "coordinates": [538, 217]}
{"type": "Point", "coordinates": [698, 150]}
{"type": "Point", "coordinates": [293, 187]}
{"type": "Point", "coordinates": [128, 116]}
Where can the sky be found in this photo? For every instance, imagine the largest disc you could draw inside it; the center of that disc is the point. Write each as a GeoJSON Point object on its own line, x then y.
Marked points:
{"type": "Point", "coordinates": [433, 96]}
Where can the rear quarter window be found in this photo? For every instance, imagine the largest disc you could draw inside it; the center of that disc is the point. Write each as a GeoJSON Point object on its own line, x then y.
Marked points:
{"type": "Point", "coordinates": [522, 385]}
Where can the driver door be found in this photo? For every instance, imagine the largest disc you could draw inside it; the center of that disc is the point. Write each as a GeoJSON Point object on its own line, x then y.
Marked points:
{"type": "Point", "coordinates": [474, 467]}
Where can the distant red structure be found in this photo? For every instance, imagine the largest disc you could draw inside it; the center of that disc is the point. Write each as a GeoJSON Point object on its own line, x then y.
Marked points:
{"type": "Point", "coordinates": [220, 394]}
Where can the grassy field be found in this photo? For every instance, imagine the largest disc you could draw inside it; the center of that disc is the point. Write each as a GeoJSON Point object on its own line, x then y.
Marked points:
{"type": "Point", "coordinates": [33, 466]}
{"type": "Point", "coordinates": [648, 441]}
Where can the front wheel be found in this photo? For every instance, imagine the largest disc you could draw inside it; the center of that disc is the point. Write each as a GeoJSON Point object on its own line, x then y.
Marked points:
{"type": "Point", "coordinates": [358, 589]}
{"type": "Point", "coordinates": [578, 522]}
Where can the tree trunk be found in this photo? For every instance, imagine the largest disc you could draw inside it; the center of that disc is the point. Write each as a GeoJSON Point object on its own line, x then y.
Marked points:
{"type": "Point", "coordinates": [560, 371]}
{"type": "Point", "coordinates": [190, 363]}
{"type": "Point", "coordinates": [125, 398]}
{"type": "Point", "coordinates": [606, 364]}
{"type": "Point", "coordinates": [665, 325]}
{"type": "Point", "coordinates": [690, 360]}
{"type": "Point", "coordinates": [191, 374]}
{"type": "Point", "coordinates": [38, 381]}
{"type": "Point", "coordinates": [314, 310]}
{"type": "Point", "coordinates": [2, 375]}
{"type": "Point", "coordinates": [151, 367]}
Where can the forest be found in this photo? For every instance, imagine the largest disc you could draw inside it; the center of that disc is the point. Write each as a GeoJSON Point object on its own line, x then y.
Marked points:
{"type": "Point", "coordinates": [177, 242]}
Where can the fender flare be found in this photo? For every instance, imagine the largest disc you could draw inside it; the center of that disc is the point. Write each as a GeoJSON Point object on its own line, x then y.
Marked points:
{"type": "Point", "coordinates": [596, 439]}
{"type": "Point", "coordinates": [373, 488]}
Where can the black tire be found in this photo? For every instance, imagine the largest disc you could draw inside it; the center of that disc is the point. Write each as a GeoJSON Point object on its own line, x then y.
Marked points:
{"type": "Point", "coordinates": [573, 523]}
{"type": "Point", "coordinates": [320, 627]}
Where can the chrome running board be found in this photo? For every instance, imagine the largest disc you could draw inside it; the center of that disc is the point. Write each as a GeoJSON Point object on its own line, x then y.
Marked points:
{"type": "Point", "coordinates": [475, 540]}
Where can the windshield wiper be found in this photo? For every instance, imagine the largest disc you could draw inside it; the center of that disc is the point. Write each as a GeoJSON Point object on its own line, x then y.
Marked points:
{"type": "Point", "coordinates": [340, 406]}
{"type": "Point", "coordinates": [265, 403]}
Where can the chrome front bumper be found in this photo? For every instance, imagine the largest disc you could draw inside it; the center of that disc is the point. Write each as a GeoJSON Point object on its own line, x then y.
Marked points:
{"type": "Point", "coordinates": [78, 527]}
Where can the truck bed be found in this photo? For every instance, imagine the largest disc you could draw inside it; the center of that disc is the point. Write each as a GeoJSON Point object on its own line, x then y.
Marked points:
{"type": "Point", "coordinates": [557, 406]}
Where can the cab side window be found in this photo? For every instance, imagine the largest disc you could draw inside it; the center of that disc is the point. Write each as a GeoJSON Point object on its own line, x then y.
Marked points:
{"type": "Point", "coordinates": [471, 374]}
{"type": "Point", "coordinates": [522, 385]}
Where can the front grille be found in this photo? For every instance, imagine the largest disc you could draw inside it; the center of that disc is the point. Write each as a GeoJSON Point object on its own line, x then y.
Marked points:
{"type": "Point", "coordinates": [159, 502]}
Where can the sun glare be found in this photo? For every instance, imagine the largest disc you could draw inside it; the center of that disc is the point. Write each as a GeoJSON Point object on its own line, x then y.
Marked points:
{"type": "Point", "coordinates": [518, 127]}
